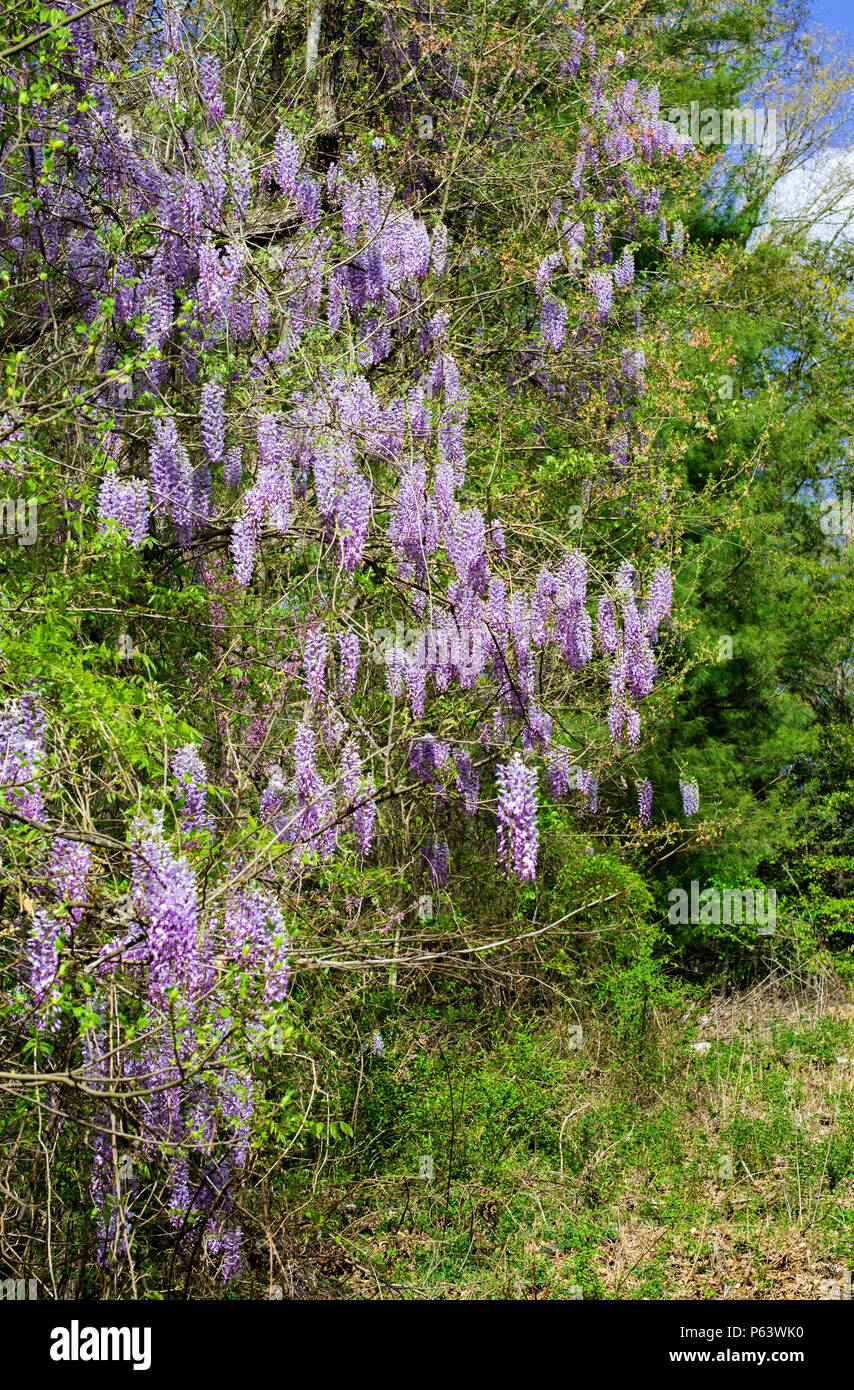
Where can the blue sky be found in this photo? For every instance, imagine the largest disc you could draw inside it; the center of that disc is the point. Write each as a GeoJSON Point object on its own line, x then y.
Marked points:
{"type": "Point", "coordinates": [834, 14]}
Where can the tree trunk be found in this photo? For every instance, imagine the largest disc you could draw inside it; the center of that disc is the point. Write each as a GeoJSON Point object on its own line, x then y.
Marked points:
{"type": "Point", "coordinates": [323, 52]}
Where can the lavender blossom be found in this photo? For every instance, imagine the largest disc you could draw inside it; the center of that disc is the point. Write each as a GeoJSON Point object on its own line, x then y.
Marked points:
{"type": "Point", "coordinates": [690, 793]}
{"type": "Point", "coordinates": [165, 895]}
{"type": "Point", "coordinates": [232, 467]}
{"type": "Point", "coordinates": [518, 836]}
{"type": "Point", "coordinates": [624, 270]}
{"type": "Point", "coordinates": [547, 268]}
{"type": "Point", "coordinates": [43, 948]}
{"type": "Point", "coordinates": [243, 541]}
{"type": "Point", "coordinates": [70, 867]}
{"type": "Point", "coordinates": [348, 646]}
{"type": "Point", "coordinates": [364, 817]}
{"type": "Point", "coordinates": [123, 506]}
{"type": "Point", "coordinates": [232, 1254]}
{"type": "Point", "coordinates": [553, 323]}
{"type": "Point", "coordinates": [558, 772]}
{"type": "Point", "coordinates": [191, 790]}
{"type": "Point", "coordinates": [588, 785]}
{"type": "Point", "coordinates": [468, 781]}
{"type": "Point", "coordinates": [314, 657]}
{"type": "Point", "coordinates": [171, 479]}
{"type": "Point", "coordinates": [213, 420]}
{"type": "Point", "coordinates": [209, 72]}
{"type": "Point", "coordinates": [644, 801]}
{"type": "Point", "coordinates": [660, 599]}
{"type": "Point", "coordinates": [436, 858]}
{"type": "Point", "coordinates": [22, 752]}
{"type": "Point", "coordinates": [606, 629]}
{"type": "Point", "coordinates": [255, 939]}
{"type": "Point", "coordinates": [286, 158]}
{"type": "Point", "coordinates": [439, 252]}
{"type": "Point", "coordinates": [306, 773]}
{"type": "Point", "coordinates": [602, 287]}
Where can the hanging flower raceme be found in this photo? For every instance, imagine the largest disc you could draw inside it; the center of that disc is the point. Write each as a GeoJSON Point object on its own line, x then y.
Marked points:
{"type": "Point", "coordinates": [256, 940]}
{"type": "Point", "coordinates": [547, 268]}
{"type": "Point", "coordinates": [269, 500]}
{"type": "Point", "coordinates": [468, 781]}
{"type": "Point", "coordinates": [518, 836]}
{"type": "Point", "coordinates": [359, 792]}
{"type": "Point", "coordinates": [436, 858]}
{"type": "Point", "coordinates": [365, 815]}
{"type": "Point", "coordinates": [312, 828]}
{"type": "Point", "coordinates": [426, 755]}
{"type": "Point", "coordinates": [237, 1103]}
{"type": "Point", "coordinates": [439, 252]}
{"type": "Point", "coordinates": [559, 767]}
{"type": "Point", "coordinates": [286, 159]}
{"type": "Point", "coordinates": [191, 789]}
{"type": "Point", "coordinates": [606, 630]}
{"type": "Point", "coordinates": [23, 732]}
{"type": "Point", "coordinates": [171, 480]}
{"type": "Point", "coordinates": [588, 785]}
{"type": "Point", "coordinates": [209, 73]}
{"type": "Point", "coordinates": [212, 419]}
{"type": "Point", "coordinates": [617, 710]}
{"type": "Point", "coordinates": [70, 867]}
{"type": "Point", "coordinates": [123, 507]}
{"type": "Point", "coordinates": [165, 895]}
{"type": "Point", "coordinates": [553, 322]}
{"type": "Point", "coordinates": [660, 599]}
{"type": "Point", "coordinates": [395, 670]}
{"type": "Point", "coordinates": [602, 288]}
{"type": "Point", "coordinates": [43, 947]}
{"type": "Point", "coordinates": [624, 270]}
{"type": "Point", "coordinates": [644, 801]}
{"type": "Point", "coordinates": [232, 467]}
{"type": "Point", "coordinates": [307, 776]}
{"type": "Point", "coordinates": [348, 646]}
{"type": "Point", "coordinates": [415, 677]}
{"type": "Point", "coordinates": [314, 658]}
{"type": "Point", "coordinates": [690, 793]}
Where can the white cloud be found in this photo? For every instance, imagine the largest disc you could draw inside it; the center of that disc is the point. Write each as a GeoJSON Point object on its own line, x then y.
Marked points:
{"type": "Point", "coordinates": [818, 196]}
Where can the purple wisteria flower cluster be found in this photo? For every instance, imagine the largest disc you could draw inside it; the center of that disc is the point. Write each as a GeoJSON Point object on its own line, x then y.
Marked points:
{"type": "Point", "coordinates": [518, 836]}
{"type": "Point", "coordinates": [191, 790]}
{"type": "Point", "coordinates": [690, 793]}
{"type": "Point", "coordinates": [123, 505]}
